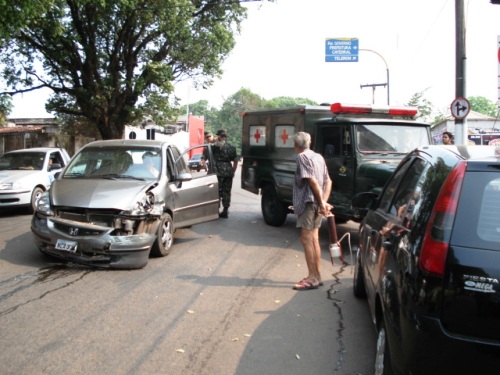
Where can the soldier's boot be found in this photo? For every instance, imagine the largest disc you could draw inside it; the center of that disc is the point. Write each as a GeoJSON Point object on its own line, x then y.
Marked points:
{"type": "Point", "coordinates": [224, 213]}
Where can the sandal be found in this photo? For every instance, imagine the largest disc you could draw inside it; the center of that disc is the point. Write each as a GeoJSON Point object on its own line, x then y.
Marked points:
{"type": "Point", "coordinates": [305, 285]}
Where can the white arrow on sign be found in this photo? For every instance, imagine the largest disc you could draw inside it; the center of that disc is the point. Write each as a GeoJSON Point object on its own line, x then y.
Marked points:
{"type": "Point", "coordinates": [460, 108]}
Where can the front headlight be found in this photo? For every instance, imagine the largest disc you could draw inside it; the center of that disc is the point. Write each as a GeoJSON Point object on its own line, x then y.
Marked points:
{"type": "Point", "coordinates": [12, 186]}
{"type": "Point", "coordinates": [43, 204]}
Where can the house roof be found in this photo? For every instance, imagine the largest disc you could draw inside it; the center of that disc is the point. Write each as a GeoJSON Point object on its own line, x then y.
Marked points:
{"type": "Point", "coordinates": [21, 129]}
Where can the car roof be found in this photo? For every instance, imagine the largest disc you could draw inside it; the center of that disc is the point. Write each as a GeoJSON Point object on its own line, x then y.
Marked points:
{"type": "Point", "coordinates": [465, 152]}
{"type": "Point", "coordinates": [129, 142]}
{"type": "Point", "coordinates": [34, 149]}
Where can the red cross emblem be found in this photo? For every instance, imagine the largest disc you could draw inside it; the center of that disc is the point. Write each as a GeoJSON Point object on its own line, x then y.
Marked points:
{"type": "Point", "coordinates": [284, 136]}
{"type": "Point", "coordinates": [257, 135]}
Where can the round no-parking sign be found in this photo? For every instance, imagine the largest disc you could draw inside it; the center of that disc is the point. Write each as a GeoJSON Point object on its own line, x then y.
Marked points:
{"type": "Point", "coordinates": [460, 108]}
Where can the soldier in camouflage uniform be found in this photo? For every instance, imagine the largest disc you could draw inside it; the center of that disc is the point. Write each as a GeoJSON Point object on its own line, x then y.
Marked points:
{"type": "Point", "coordinates": [226, 162]}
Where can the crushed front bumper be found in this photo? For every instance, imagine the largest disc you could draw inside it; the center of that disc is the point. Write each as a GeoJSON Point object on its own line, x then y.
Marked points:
{"type": "Point", "coordinates": [94, 245]}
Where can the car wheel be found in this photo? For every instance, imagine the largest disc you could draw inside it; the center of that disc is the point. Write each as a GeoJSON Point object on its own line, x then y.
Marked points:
{"type": "Point", "coordinates": [164, 237]}
{"type": "Point", "coordinates": [382, 357]}
{"type": "Point", "coordinates": [37, 192]}
{"type": "Point", "coordinates": [358, 282]}
{"type": "Point", "coordinates": [273, 210]}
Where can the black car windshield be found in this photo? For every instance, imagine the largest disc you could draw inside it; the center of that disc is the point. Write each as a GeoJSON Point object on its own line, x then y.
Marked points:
{"type": "Point", "coordinates": [22, 161]}
{"type": "Point", "coordinates": [386, 138]}
{"type": "Point", "coordinates": [118, 162]}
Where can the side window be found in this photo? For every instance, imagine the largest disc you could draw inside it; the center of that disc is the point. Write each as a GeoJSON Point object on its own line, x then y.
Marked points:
{"type": "Point", "coordinates": [199, 161]}
{"type": "Point", "coordinates": [55, 160]}
{"type": "Point", "coordinates": [336, 142]}
{"type": "Point", "coordinates": [392, 184]}
{"type": "Point", "coordinates": [407, 198]}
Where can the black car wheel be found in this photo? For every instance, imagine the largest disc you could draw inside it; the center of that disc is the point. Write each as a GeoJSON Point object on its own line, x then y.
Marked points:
{"type": "Point", "coordinates": [273, 210]}
{"type": "Point", "coordinates": [164, 237]}
{"type": "Point", "coordinates": [383, 364]}
{"type": "Point", "coordinates": [358, 282]}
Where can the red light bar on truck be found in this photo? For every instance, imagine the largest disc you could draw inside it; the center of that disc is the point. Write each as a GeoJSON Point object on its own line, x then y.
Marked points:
{"type": "Point", "coordinates": [365, 109]}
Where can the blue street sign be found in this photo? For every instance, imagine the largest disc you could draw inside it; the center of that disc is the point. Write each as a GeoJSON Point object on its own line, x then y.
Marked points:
{"type": "Point", "coordinates": [341, 50]}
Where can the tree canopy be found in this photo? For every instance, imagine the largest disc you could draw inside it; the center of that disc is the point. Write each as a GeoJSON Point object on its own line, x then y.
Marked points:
{"type": "Point", "coordinates": [482, 105]}
{"type": "Point", "coordinates": [110, 62]}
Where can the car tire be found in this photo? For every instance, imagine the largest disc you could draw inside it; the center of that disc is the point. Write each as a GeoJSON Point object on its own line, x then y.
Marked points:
{"type": "Point", "coordinates": [273, 211]}
{"type": "Point", "coordinates": [35, 194]}
{"type": "Point", "coordinates": [383, 365]}
{"type": "Point", "coordinates": [164, 237]}
{"type": "Point", "coordinates": [358, 280]}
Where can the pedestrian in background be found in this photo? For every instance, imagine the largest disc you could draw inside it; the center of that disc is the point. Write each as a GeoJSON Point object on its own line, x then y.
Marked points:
{"type": "Point", "coordinates": [209, 138]}
{"type": "Point", "coordinates": [447, 138]}
{"type": "Point", "coordinates": [311, 191]}
{"type": "Point", "coordinates": [226, 163]}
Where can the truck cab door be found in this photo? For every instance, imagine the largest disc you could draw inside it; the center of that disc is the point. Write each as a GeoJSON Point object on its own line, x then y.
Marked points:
{"type": "Point", "coordinates": [335, 143]}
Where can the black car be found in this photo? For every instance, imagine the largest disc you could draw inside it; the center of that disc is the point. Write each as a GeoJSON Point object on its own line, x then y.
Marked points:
{"type": "Point", "coordinates": [197, 163]}
{"type": "Point", "coordinates": [429, 262]}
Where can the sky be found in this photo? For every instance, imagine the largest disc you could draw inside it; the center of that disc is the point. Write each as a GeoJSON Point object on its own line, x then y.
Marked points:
{"type": "Point", "coordinates": [281, 52]}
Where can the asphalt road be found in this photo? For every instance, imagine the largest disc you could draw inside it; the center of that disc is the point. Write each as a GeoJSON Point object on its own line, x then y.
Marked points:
{"type": "Point", "coordinates": [220, 303]}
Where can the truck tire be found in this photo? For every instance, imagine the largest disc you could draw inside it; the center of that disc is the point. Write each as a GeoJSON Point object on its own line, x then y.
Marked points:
{"type": "Point", "coordinates": [273, 210]}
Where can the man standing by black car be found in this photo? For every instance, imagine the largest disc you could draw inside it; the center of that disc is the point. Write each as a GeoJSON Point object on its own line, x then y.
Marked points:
{"type": "Point", "coordinates": [226, 162]}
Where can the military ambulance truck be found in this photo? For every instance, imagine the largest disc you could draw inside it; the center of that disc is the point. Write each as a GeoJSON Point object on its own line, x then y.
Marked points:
{"type": "Point", "coordinates": [361, 144]}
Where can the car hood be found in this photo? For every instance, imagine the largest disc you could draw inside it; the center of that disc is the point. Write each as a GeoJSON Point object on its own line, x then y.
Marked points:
{"type": "Point", "coordinates": [97, 193]}
{"type": "Point", "coordinates": [24, 175]}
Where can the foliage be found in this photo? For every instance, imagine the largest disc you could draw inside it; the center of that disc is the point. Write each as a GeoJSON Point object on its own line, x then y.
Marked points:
{"type": "Point", "coordinates": [424, 106]}
{"type": "Point", "coordinates": [5, 108]}
{"type": "Point", "coordinates": [286, 101]}
{"type": "Point", "coordinates": [111, 62]}
{"type": "Point", "coordinates": [482, 105]}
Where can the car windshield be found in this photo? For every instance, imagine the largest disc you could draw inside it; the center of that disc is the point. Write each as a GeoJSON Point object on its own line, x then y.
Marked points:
{"type": "Point", "coordinates": [390, 139]}
{"type": "Point", "coordinates": [22, 161]}
{"type": "Point", "coordinates": [115, 162]}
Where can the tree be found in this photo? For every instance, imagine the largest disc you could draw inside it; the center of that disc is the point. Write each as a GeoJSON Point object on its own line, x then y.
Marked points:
{"type": "Point", "coordinates": [111, 62]}
{"type": "Point", "coordinates": [5, 108]}
{"type": "Point", "coordinates": [482, 105]}
{"type": "Point", "coordinates": [286, 101]}
{"type": "Point", "coordinates": [424, 106]}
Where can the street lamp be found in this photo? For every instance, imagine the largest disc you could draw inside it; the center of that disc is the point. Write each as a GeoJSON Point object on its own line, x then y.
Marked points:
{"type": "Point", "coordinates": [387, 70]}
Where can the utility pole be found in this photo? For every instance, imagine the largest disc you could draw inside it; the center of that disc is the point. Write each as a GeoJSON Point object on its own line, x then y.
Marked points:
{"type": "Point", "coordinates": [460, 60]}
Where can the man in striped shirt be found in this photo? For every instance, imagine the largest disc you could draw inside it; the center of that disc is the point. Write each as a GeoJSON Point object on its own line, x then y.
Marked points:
{"type": "Point", "coordinates": [311, 191]}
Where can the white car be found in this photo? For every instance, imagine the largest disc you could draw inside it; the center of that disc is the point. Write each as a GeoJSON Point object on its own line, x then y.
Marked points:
{"type": "Point", "coordinates": [26, 174]}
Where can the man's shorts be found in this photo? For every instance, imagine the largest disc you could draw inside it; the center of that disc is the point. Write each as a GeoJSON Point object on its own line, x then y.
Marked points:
{"type": "Point", "coordinates": [310, 218]}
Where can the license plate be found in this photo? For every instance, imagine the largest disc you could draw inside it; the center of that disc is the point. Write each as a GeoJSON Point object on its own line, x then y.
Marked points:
{"type": "Point", "coordinates": [65, 245]}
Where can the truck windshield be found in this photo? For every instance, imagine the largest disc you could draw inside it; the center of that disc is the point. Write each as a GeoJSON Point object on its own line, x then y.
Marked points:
{"type": "Point", "coordinates": [390, 138]}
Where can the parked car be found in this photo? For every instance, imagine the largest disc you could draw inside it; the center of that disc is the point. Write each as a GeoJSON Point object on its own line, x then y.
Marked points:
{"type": "Point", "coordinates": [120, 201]}
{"type": "Point", "coordinates": [25, 174]}
{"type": "Point", "coordinates": [197, 163]}
{"type": "Point", "coordinates": [429, 262]}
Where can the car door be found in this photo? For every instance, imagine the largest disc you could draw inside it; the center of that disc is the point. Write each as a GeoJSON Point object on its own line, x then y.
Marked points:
{"type": "Point", "coordinates": [195, 196]}
{"type": "Point", "coordinates": [379, 228]}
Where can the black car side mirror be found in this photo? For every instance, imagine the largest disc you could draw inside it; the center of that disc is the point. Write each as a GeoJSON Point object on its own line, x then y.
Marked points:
{"type": "Point", "coordinates": [362, 202]}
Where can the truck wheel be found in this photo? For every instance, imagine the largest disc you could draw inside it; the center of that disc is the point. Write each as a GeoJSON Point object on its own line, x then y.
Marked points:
{"type": "Point", "coordinates": [273, 210]}
{"type": "Point", "coordinates": [164, 237]}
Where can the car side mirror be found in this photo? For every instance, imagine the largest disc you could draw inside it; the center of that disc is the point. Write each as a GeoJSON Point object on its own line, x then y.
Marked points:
{"type": "Point", "coordinates": [363, 202]}
{"type": "Point", "coordinates": [184, 176]}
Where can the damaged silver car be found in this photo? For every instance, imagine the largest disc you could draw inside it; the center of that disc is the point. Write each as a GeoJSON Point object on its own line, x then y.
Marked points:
{"type": "Point", "coordinates": [120, 201]}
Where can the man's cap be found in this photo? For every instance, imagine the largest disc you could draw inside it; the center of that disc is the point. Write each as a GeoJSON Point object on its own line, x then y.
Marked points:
{"type": "Point", "coordinates": [208, 134]}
